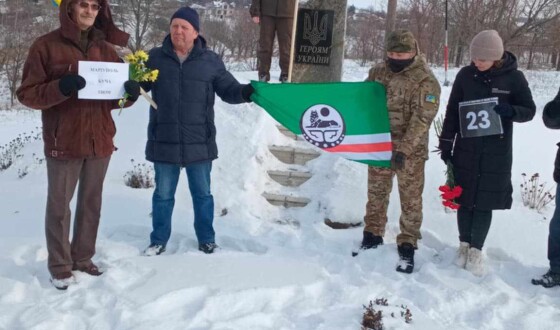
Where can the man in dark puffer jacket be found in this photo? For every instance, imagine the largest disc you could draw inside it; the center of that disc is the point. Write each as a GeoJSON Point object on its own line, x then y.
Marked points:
{"type": "Point", "coordinates": [181, 132]}
{"type": "Point", "coordinates": [551, 118]}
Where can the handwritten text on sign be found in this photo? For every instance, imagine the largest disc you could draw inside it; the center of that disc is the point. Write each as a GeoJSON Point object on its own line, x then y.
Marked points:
{"type": "Point", "coordinates": [104, 80]}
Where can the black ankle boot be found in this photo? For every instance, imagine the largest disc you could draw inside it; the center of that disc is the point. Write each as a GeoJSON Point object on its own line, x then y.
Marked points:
{"type": "Point", "coordinates": [406, 256]}
{"type": "Point", "coordinates": [370, 241]}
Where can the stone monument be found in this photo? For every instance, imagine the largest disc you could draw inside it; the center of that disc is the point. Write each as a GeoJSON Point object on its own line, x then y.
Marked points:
{"type": "Point", "coordinates": [318, 45]}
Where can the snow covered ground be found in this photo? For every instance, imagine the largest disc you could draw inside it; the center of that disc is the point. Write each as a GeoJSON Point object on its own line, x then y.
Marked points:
{"type": "Point", "coordinates": [278, 268]}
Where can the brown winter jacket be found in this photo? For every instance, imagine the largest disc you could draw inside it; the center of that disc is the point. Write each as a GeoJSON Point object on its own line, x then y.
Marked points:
{"type": "Point", "coordinates": [274, 8]}
{"type": "Point", "coordinates": [72, 128]}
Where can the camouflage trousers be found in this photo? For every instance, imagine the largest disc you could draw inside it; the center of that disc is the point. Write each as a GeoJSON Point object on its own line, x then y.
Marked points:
{"type": "Point", "coordinates": [411, 185]}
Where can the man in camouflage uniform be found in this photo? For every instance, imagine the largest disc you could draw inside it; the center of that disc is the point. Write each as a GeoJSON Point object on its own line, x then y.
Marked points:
{"type": "Point", "coordinates": [412, 101]}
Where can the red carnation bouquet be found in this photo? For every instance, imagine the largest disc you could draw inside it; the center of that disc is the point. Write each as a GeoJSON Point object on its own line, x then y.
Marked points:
{"type": "Point", "coordinates": [450, 191]}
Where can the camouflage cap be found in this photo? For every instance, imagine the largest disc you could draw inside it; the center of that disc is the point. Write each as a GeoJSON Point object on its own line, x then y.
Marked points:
{"type": "Point", "coordinates": [401, 41]}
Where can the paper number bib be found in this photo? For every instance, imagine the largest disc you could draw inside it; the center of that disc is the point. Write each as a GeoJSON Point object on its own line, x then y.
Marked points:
{"type": "Point", "coordinates": [478, 118]}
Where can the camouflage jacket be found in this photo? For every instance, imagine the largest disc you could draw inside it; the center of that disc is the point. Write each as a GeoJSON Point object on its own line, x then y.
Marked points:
{"type": "Point", "coordinates": [412, 101]}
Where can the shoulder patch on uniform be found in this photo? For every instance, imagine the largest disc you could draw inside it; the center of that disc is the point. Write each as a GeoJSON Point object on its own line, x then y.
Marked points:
{"type": "Point", "coordinates": [430, 98]}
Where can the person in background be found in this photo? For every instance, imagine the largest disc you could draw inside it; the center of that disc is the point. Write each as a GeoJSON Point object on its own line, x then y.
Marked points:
{"type": "Point", "coordinates": [275, 17]}
{"type": "Point", "coordinates": [551, 118]}
{"type": "Point", "coordinates": [77, 134]}
{"type": "Point", "coordinates": [412, 101]}
{"type": "Point", "coordinates": [181, 132]}
{"type": "Point", "coordinates": [482, 164]}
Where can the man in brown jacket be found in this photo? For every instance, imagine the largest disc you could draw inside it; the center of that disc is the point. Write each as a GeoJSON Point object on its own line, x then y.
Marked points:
{"type": "Point", "coordinates": [274, 17]}
{"type": "Point", "coordinates": [78, 134]}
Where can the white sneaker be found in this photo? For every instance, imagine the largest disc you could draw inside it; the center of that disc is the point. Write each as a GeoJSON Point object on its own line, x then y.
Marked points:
{"type": "Point", "coordinates": [462, 254]}
{"type": "Point", "coordinates": [475, 262]}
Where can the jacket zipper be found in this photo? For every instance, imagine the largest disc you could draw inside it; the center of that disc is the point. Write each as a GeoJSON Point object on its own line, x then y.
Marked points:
{"type": "Point", "coordinates": [56, 131]}
{"type": "Point", "coordinates": [179, 108]}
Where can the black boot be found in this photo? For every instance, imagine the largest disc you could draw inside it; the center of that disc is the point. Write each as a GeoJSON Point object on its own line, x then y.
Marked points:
{"type": "Point", "coordinates": [406, 255]}
{"type": "Point", "coordinates": [548, 280]}
{"type": "Point", "coordinates": [370, 241]}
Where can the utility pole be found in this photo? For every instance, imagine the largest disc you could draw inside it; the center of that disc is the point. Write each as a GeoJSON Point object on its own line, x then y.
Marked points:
{"type": "Point", "coordinates": [391, 16]}
{"type": "Point", "coordinates": [446, 49]}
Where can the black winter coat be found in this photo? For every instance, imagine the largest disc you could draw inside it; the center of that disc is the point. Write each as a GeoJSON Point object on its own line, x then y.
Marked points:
{"type": "Point", "coordinates": [482, 165]}
{"type": "Point", "coordinates": [182, 131]}
{"type": "Point", "coordinates": [551, 118]}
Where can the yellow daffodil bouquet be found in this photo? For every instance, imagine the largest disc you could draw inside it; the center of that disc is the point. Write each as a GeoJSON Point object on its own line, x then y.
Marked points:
{"type": "Point", "coordinates": [140, 73]}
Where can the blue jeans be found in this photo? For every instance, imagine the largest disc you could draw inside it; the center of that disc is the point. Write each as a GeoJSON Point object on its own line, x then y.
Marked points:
{"type": "Point", "coordinates": [554, 236]}
{"type": "Point", "coordinates": [163, 201]}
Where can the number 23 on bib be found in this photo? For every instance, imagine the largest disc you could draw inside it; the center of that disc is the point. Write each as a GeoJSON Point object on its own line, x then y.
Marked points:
{"type": "Point", "coordinates": [478, 118]}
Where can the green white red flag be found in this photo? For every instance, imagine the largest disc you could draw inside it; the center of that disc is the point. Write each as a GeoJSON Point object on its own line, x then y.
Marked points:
{"type": "Point", "coordinates": [349, 119]}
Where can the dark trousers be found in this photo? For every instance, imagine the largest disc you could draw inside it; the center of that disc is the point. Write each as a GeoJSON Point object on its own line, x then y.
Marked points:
{"type": "Point", "coordinates": [269, 27]}
{"type": "Point", "coordinates": [473, 226]}
{"type": "Point", "coordinates": [63, 176]}
{"type": "Point", "coordinates": [554, 236]}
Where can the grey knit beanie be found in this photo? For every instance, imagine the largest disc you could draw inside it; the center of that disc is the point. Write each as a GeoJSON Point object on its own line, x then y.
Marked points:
{"type": "Point", "coordinates": [487, 45]}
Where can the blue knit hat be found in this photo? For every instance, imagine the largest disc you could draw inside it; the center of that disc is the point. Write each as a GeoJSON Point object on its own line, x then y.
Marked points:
{"type": "Point", "coordinates": [188, 14]}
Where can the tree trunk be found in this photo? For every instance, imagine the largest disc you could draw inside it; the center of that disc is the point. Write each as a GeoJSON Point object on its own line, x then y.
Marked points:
{"type": "Point", "coordinates": [391, 16]}
{"type": "Point", "coordinates": [459, 56]}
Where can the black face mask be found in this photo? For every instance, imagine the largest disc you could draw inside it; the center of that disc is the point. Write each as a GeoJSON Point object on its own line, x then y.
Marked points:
{"type": "Point", "coordinates": [398, 65]}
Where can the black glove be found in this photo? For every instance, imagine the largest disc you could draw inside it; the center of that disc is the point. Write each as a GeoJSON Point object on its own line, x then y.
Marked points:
{"type": "Point", "coordinates": [71, 83]}
{"type": "Point", "coordinates": [505, 110]}
{"type": "Point", "coordinates": [132, 88]}
{"type": "Point", "coordinates": [246, 92]}
{"type": "Point", "coordinates": [445, 156]}
{"type": "Point", "coordinates": [397, 161]}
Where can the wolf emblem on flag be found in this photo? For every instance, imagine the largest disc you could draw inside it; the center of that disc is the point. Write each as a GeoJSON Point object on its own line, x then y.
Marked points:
{"type": "Point", "coordinates": [322, 126]}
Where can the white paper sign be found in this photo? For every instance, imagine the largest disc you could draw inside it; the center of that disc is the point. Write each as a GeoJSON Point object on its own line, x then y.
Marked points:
{"type": "Point", "coordinates": [104, 80]}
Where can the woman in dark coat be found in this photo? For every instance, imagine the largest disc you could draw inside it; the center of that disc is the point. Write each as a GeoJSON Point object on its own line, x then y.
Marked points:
{"type": "Point", "coordinates": [482, 162]}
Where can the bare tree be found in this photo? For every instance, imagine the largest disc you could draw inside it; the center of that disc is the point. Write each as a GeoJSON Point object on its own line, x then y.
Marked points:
{"type": "Point", "coordinates": [25, 22]}
{"type": "Point", "coordinates": [366, 42]}
{"type": "Point", "coordinates": [554, 37]}
{"type": "Point", "coordinates": [244, 40]}
{"type": "Point", "coordinates": [136, 17]}
{"type": "Point", "coordinates": [218, 36]}
{"type": "Point", "coordinates": [516, 20]}
{"type": "Point", "coordinates": [425, 18]}
{"type": "Point", "coordinates": [535, 13]}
